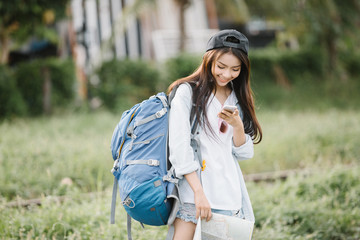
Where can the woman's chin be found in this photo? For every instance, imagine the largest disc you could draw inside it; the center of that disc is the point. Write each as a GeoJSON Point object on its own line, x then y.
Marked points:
{"type": "Point", "coordinates": [221, 83]}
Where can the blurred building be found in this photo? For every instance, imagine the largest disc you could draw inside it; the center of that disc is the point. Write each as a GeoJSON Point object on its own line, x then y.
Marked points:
{"type": "Point", "coordinates": [113, 28]}
{"type": "Point", "coordinates": [151, 33]}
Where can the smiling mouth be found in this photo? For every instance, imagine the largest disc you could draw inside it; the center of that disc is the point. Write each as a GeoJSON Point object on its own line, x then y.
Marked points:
{"type": "Point", "coordinates": [224, 80]}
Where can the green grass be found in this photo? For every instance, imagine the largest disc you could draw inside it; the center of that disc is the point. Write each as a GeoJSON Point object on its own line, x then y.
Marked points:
{"type": "Point", "coordinates": [324, 205]}
{"type": "Point", "coordinates": [306, 139]}
{"type": "Point", "coordinates": [37, 154]}
{"type": "Point", "coordinates": [78, 217]}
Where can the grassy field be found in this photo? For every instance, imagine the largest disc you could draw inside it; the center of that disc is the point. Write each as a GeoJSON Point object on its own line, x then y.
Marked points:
{"type": "Point", "coordinates": [69, 155]}
{"type": "Point", "coordinates": [322, 205]}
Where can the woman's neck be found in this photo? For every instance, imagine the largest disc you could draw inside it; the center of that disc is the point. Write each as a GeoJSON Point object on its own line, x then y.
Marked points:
{"type": "Point", "coordinates": [222, 93]}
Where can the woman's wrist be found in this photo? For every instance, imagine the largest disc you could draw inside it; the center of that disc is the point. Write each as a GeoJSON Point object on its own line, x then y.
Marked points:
{"type": "Point", "coordinates": [239, 137]}
{"type": "Point", "coordinates": [239, 128]}
{"type": "Point", "coordinates": [199, 191]}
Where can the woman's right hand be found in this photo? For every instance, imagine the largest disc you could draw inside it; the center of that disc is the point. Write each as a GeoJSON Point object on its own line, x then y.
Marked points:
{"type": "Point", "coordinates": [202, 205]}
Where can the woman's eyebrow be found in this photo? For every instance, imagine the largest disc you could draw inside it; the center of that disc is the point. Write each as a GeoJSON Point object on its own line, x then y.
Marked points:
{"type": "Point", "coordinates": [227, 65]}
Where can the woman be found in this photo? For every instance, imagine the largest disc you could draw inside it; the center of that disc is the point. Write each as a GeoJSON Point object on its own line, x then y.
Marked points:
{"type": "Point", "coordinates": [213, 183]}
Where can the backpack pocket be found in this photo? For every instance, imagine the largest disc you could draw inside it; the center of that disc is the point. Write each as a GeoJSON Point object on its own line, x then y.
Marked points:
{"type": "Point", "coordinates": [148, 204]}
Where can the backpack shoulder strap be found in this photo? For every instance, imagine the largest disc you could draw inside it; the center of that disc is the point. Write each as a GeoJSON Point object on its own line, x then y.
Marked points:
{"type": "Point", "coordinates": [193, 119]}
{"type": "Point", "coordinates": [113, 201]}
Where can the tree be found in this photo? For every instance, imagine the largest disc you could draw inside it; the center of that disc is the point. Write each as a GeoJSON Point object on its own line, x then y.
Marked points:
{"type": "Point", "coordinates": [329, 22]}
{"type": "Point", "coordinates": [316, 23]}
{"type": "Point", "coordinates": [233, 10]}
{"type": "Point", "coordinates": [23, 18]}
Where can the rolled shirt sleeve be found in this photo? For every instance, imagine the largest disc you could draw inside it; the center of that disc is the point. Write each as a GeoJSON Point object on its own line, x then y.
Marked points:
{"type": "Point", "coordinates": [245, 151]}
{"type": "Point", "coordinates": [181, 153]}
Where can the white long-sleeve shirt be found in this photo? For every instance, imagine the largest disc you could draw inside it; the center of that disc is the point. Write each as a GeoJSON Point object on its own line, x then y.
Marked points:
{"type": "Point", "coordinates": [222, 179]}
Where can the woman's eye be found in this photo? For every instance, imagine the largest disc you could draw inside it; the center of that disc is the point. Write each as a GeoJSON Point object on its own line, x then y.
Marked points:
{"type": "Point", "coordinates": [236, 70]}
{"type": "Point", "coordinates": [220, 67]}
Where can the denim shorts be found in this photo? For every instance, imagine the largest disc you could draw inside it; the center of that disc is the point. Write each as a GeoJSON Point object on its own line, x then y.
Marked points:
{"type": "Point", "coordinates": [187, 212]}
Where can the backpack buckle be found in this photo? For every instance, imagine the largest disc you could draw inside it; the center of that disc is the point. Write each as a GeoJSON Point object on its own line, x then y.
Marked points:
{"type": "Point", "coordinates": [160, 113]}
{"type": "Point", "coordinates": [153, 162]}
{"type": "Point", "coordinates": [115, 166]}
{"type": "Point", "coordinates": [128, 202]}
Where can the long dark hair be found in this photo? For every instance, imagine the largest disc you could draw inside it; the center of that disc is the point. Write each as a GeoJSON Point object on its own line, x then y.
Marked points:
{"type": "Point", "coordinates": [203, 83]}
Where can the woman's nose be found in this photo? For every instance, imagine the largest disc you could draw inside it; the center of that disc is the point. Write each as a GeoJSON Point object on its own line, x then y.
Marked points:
{"type": "Point", "coordinates": [227, 74]}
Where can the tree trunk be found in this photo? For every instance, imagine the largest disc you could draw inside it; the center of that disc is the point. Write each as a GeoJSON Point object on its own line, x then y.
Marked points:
{"type": "Point", "coordinates": [332, 54]}
{"type": "Point", "coordinates": [4, 43]}
{"type": "Point", "coordinates": [212, 15]}
{"type": "Point", "coordinates": [79, 67]}
{"type": "Point", "coordinates": [46, 90]}
{"type": "Point", "coordinates": [281, 78]}
{"type": "Point", "coordinates": [183, 4]}
{"type": "Point", "coordinates": [182, 29]}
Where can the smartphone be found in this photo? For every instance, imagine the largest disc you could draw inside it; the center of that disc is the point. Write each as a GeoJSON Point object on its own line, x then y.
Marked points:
{"type": "Point", "coordinates": [229, 108]}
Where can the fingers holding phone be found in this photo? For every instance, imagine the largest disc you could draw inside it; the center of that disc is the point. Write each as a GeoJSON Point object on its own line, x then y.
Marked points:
{"type": "Point", "coordinates": [228, 111]}
{"type": "Point", "coordinates": [230, 114]}
{"type": "Point", "coordinates": [229, 108]}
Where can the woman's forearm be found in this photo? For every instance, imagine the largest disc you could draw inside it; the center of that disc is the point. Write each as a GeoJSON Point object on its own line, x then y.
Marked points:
{"type": "Point", "coordinates": [239, 136]}
{"type": "Point", "coordinates": [202, 205]}
{"type": "Point", "coordinates": [194, 182]}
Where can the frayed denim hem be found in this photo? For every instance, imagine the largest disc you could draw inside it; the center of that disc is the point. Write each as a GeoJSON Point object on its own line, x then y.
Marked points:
{"type": "Point", "coordinates": [187, 212]}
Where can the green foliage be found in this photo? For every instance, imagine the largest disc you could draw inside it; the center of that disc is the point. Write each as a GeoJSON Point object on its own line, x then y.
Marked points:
{"type": "Point", "coordinates": [315, 21]}
{"type": "Point", "coordinates": [12, 103]}
{"type": "Point", "coordinates": [329, 19]}
{"type": "Point", "coordinates": [232, 10]}
{"type": "Point", "coordinates": [30, 84]}
{"type": "Point", "coordinates": [293, 63]}
{"type": "Point", "coordinates": [123, 83]}
{"type": "Point", "coordinates": [351, 62]}
{"type": "Point", "coordinates": [316, 24]}
{"type": "Point", "coordinates": [266, 8]}
{"type": "Point", "coordinates": [309, 85]}
{"type": "Point", "coordinates": [30, 80]}
{"type": "Point", "coordinates": [21, 19]}
{"type": "Point", "coordinates": [181, 66]}
{"type": "Point", "coordinates": [307, 93]}
{"type": "Point", "coordinates": [63, 81]}
{"type": "Point", "coordinates": [298, 63]}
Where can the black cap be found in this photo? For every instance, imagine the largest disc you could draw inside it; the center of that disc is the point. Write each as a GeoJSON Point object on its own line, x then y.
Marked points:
{"type": "Point", "coordinates": [225, 38]}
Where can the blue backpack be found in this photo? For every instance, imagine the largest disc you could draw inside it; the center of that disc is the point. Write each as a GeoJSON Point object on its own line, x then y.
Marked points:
{"type": "Point", "coordinates": [142, 171]}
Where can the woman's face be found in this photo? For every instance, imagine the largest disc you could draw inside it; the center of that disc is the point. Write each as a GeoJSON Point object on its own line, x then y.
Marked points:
{"type": "Point", "coordinates": [226, 68]}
